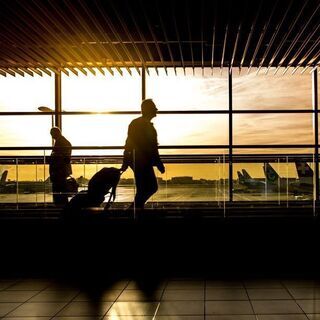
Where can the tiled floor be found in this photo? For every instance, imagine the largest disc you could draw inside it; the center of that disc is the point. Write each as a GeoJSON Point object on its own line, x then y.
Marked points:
{"type": "Point", "coordinates": [176, 299]}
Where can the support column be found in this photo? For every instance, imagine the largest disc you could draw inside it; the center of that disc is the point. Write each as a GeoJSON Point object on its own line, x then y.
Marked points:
{"type": "Point", "coordinates": [143, 79]}
{"type": "Point", "coordinates": [57, 96]}
{"type": "Point", "coordinates": [316, 131]}
{"type": "Point", "coordinates": [230, 135]}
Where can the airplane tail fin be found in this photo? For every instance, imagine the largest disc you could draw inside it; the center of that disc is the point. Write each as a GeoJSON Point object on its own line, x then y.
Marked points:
{"type": "Point", "coordinates": [304, 170]}
{"type": "Point", "coordinates": [4, 177]}
{"type": "Point", "coordinates": [271, 174]}
{"type": "Point", "coordinates": [246, 175]}
{"type": "Point", "coordinates": [240, 176]}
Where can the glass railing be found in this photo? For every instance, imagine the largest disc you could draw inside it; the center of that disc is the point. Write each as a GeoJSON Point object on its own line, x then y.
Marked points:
{"type": "Point", "coordinates": [191, 180]}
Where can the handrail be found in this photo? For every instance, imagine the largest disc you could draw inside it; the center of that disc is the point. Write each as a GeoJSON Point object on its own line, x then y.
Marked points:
{"type": "Point", "coordinates": [135, 112]}
{"type": "Point", "coordinates": [218, 146]}
{"type": "Point", "coordinates": [168, 158]}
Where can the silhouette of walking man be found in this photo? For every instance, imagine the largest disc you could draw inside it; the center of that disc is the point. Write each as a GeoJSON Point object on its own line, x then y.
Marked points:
{"type": "Point", "coordinates": [60, 166]}
{"type": "Point", "coordinates": [141, 153]}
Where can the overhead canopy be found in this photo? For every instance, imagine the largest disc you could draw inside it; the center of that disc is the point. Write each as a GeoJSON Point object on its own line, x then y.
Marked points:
{"type": "Point", "coordinates": [41, 35]}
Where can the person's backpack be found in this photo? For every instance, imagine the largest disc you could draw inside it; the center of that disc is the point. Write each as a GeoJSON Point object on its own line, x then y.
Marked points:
{"type": "Point", "coordinates": [102, 183]}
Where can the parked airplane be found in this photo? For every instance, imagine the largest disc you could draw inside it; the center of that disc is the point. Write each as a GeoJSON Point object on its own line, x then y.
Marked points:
{"type": "Point", "coordinates": [82, 181]}
{"type": "Point", "coordinates": [3, 177]}
{"type": "Point", "coordinates": [303, 185]}
{"type": "Point", "coordinates": [23, 186]}
{"type": "Point", "coordinates": [248, 182]}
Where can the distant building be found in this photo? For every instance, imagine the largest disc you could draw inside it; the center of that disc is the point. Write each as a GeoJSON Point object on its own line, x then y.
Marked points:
{"type": "Point", "coordinates": [160, 180]}
{"type": "Point", "coordinates": [182, 180]}
{"type": "Point", "coordinates": [124, 181]}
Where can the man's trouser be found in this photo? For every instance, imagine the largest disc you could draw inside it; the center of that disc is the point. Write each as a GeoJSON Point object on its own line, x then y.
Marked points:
{"type": "Point", "coordinates": [146, 183]}
{"type": "Point", "coordinates": [59, 190]}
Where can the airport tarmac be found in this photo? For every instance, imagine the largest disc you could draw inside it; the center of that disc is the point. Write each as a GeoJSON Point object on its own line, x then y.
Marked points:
{"type": "Point", "coordinates": [169, 193]}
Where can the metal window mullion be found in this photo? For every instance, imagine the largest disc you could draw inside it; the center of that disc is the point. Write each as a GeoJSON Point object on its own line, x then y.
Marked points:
{"type": "Point", "coordinates": [230, 134]}
{"type": "Point", "coordinates": [57, 102]}
{"type": "Point", "coordinates": [143, 80]}
{"type": "Point", "coordinates": [316, 130]}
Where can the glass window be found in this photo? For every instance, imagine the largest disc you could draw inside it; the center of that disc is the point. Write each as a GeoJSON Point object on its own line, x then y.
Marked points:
{"type": "Point", "coordinates": [273, 180]}
{"type": "Point", "coordinates": [271, 91]}
{"type": "Point", "coordinates": [26, 93]}
{"type": "Point", "coordinates": [101, 92]}
{"type": "Point", "coordinates": [193, 182]}
{"type": "Point", "coordinates": [96, 130]}
{"type": "Point", "coordinates": [211, 154]}
{"type": "Point", "coordinates": [111, 130]}
{"type": "Point", "coordinates": [272, 129]}
{"type": "Point", "coordinates": [24, 181]}
{"type": "Point", "coordinates": [268, 151]}
{"type": "Point", "coordinates": [195, 129]}
{"type": "Point", "coordinates": [188, 92]}
{"type": "Point", "coordinates": [30, 131]}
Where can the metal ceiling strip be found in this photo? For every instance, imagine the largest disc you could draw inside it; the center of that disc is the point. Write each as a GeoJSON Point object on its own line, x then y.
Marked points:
{"type": "Point", "coordinates": [178, 37]}
{"type": "Point", "coordinates": [128, 34]}
{"type": "Point", "coordinates": [44, 70]}
{"type": "Point", "coordinates": [36, 70]}
{"type": "Point", "coordinates": [274, 36]}
{"type": "Point", "coordinates": [92, 53]}
{"type": "Point", "coordinates": [235, 45]}
{"type": "Point", "coordinates": [293, 43]}
{"type": "Point", "coordinates": [303, 45]}
{"type": "Point", "coordinates": [83, 56]}
{"type": "Point", "coordinates": [106, 39]}
{"type": "Point", "coordinates": [307, 56]}
{"type": "Point", "coordinates": [9, 54]}
{"type": "Point", "coordinates": [115, 33]}
{"type": "Point", "coordinates": [213, 36]}
{"type": "Point", "coordinates": [6, 70]}
{"type": "Point", "coordinates": [16, 70]}
{"type": "Point", "coordinates": [201, 36]}
{"type": "Point", "coordinates": [224, 48]}
{"type": "Point", "coordinates": [263, 33]}
{"type": "Point", "coordinates": [55, 39]}
{"type": "Point", "coordinates": [17, 38]}
{"type": "Point", "coordinates": [27, 71]}
{"type": "Point", "coordinates": [141, 35]}
{"type": "Point", "coordinates": [153, 36]}
{"type": "Point", "coordinates": [250, 35]}
{"type": "Point", "coordinates": [285, 37]}
{"type": "Point", "coordinates": [189, 33]}
{"type": "Point", "coordinates": [166, 37]}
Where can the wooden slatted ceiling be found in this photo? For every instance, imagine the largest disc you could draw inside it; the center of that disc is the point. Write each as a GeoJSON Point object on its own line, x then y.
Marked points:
{"type": "Point", "coordinates": [72, 36]}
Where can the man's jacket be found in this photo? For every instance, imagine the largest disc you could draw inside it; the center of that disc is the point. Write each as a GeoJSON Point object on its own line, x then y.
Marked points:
{"type": "Point", "coordinates": [141, 147]}
{"type": "Point", "coordinates": [60, 159]}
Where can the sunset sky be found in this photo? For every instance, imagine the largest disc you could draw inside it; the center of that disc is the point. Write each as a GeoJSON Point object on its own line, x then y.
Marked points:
{"type": "Point", "coordinates": [170, 92]}
{"type": "Point", "coordinates": [181, 92]}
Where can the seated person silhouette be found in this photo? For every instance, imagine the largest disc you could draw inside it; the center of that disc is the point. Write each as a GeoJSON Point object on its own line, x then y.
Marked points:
{"type": "Point", "coordinates": [60, 166]}
{"type": "Point", "coordinates": [141, 154]}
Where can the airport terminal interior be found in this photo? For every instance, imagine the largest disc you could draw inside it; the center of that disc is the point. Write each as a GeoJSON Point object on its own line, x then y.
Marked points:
{"type": "Point", "coordinates": [233, 229]}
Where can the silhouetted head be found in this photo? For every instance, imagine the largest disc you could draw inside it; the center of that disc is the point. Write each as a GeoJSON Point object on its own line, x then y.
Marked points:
{"type": "Point", "coordinates": [148, 109]}
{"type": "Point", "coordinates": [55, 132]}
